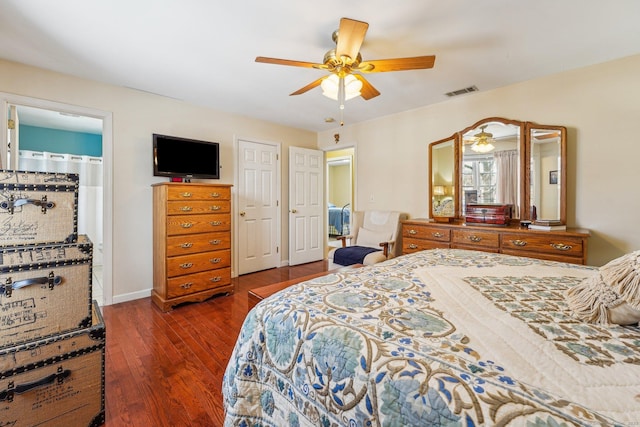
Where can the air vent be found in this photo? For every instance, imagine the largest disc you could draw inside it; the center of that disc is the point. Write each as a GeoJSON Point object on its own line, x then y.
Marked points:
{"type": "Point", "coordinates": [462, 91]}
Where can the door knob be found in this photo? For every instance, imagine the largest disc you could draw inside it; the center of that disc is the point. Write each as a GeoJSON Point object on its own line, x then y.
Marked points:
{"type": "Point", "coordinates": [294, 211]}
{"type": "Point", "coordinates": [242, 213]}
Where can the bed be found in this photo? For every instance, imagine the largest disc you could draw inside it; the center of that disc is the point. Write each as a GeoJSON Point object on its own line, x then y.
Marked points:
{"type": "Point", "coordinates": [339, 218]}
{"type": "Point", "coordinates": [438, 337]}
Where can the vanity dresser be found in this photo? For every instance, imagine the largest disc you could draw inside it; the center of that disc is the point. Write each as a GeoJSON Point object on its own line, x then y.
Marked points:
{"type": "Point", "coordinates": [505, 163]}
{"type": "Point", "coordinates": [564, 246]}
{"type": "Point", "coordinates": [191, 242]}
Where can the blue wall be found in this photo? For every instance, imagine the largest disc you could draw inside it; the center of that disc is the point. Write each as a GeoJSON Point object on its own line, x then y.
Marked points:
{"type": "Point", "coordinates": [60, 141]}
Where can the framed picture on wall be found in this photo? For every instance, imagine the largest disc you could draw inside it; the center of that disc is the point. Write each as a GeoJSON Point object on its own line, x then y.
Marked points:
{"type": "Point", "coordinates": [553, 177]}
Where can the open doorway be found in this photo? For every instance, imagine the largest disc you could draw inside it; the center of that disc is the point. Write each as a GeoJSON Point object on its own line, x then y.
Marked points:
{"type": "Point", "coordinates": [50, 137]}
{"type": "Point", "coordinates": [340, 191]}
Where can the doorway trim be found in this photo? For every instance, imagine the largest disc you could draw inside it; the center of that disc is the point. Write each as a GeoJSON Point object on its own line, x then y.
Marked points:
{"type": "Point", "coordinates": [107, 158]}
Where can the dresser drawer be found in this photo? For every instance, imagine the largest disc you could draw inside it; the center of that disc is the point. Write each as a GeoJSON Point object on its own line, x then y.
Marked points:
{"type": "Point", "coordinates": [410, 245]}
{"type": "Point", "coordinates": [194, 243]}
{"type": "Point", "coordinates": [558, 245]}
{"type": "Point", "coordinates": [189, 224]}
{"type": "Point", "coordinates": [191, 207]}
{"type": "Point", "coordinates": [426, 232]}
{"type": "Point", "coordinates": [188, 264]}
{"type": "Point", "coordinates": [191, 283]}
{"type": "Point", "coordinates": [473, 238]}
{"type": "Point", "coordinates": [194, 192]}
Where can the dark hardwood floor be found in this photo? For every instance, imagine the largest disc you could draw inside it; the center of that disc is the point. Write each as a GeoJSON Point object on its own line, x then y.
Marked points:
{"type": "Point", "coordinates": [166, 369]}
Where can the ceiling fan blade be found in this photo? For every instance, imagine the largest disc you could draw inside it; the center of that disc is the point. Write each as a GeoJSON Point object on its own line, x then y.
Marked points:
{"type": "Point", "coordinates": [547, 136]}
{"type": "Point", "coordinates": [350, 37]}
{"type": "Point", "coordinates": [367, 91]}
{"type": "Point", "coordinates": [309, 86]}
{"type": "Point", "coordinates": [398, 64]}
{"type": "Point", "coordinates": [290, 62]}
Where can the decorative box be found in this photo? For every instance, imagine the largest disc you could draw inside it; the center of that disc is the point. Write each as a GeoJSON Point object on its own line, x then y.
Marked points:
{"type": "Point", "coordinates": [58, 381]}
{"type": "Point", "coordinates": [44, 290]}
{"type": "Point", "coordinates": [488, 214]}
{"type": "Point", "coordinates": [38, 207]}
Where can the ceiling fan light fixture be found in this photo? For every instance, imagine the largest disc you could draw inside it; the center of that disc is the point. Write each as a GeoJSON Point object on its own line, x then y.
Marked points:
{"type": "Point", "coordinates": [483, 142]}
{"type": "Point", "coordinates": [331, 86]}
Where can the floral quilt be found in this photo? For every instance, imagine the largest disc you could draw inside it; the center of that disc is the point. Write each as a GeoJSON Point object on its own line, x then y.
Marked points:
{"type": "Point", "coordinates": [440, 337]}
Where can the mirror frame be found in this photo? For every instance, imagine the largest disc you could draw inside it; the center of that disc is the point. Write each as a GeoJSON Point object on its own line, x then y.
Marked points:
{"type": "Point", "coordinates": [523, 213]}
{"type": "Point", "coordinates": [526, 129]}
{"type": "Point", "coordinates": [562, 173]}
{"type": "Point", "coordinates": [456, 175]}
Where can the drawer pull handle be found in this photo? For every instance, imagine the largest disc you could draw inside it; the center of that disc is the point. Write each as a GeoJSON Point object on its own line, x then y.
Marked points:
{"type": "Point", "coordinates": [215, 279]}
{"type": "Point", "coordinates": [215, 260]}
{"type": "Point", "coordinates": [185, 194]}
{"type": "Point", "coordinates": [215, 242]}
{"type": "Point", "coordinates": [215, 223]}
{"type": "Point", "coordinates": [561, 246]}
{"type": "Point", "coordinates": [186, 265]}
{"type": "Point", "coordinates": [186, 225]}
{"type": "Point", "coordinates": [186, 209]}
{"type": "Point", "coordinates": [186, 245]}
{"type": "Point", "coordinates": [519, 243]}
{"type": "Point", "coordinates": [214, 208]}
{"type": "Point", "coordinates": [215, 195]}
{"type": "Point", "coordinates": [437, 234]}
{"type": "Point", "coordinates": [186, 285]}
{"type": "Point", "coordinates": [474, 238]}
{"type": "Point", "coordinates": [413, 246]}
{"type": "Point", "coordinates": [413, 232]}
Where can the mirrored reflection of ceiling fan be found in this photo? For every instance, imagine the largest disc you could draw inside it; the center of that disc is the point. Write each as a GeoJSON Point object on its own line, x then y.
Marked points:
{"type": "Point", "coordinates": [345, 65]}
{"type": "Point", "coordinates": [542, 135]}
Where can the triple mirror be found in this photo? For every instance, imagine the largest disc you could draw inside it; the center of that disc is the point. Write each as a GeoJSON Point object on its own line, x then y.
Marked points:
{"type": "Point", "coordinates": [500, 161]}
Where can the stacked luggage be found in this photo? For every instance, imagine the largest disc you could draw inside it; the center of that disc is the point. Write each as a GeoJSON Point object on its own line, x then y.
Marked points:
{"type": "Point", "coordinates": [52, 335]}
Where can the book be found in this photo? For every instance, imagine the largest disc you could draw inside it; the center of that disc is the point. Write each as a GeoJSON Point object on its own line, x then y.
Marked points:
{"type": "Point", "coordinates": [558, 227]}
{"type": "Point", "coordinates": [547, 222]}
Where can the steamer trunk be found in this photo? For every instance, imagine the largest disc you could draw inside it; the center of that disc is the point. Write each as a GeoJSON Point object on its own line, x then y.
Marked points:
{"type": "Point", "coordinates": [58, 381]}
{"type": "Point", "coordinates": [44, 290]}
{"type": "Point", "coordinates": [38, 207]}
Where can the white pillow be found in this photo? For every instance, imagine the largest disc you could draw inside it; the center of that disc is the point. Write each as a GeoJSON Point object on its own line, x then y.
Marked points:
{"type": "Point", "coordinates": [372, 239]}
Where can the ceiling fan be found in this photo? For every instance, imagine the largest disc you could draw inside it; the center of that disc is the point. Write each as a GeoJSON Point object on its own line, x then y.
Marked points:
{"type": "Point", "coordinates": [345, 60]}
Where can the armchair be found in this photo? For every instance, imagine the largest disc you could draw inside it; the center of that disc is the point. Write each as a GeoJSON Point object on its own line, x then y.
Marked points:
{"type": "Point", "coordinates": [372, 239]}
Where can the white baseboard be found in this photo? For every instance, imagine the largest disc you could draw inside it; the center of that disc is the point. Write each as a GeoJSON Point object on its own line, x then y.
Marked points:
{"type": "Point", "coordinates": [131, 296]}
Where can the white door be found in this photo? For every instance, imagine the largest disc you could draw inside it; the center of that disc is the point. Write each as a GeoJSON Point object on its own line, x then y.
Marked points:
{"type": "Point", "coordinates": [258, 206]}
{"type": "Point", "coordinates": [306, 205]}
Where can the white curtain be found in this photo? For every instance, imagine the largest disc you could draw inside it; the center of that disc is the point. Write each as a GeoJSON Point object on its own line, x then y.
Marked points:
{"type": "Point", "coordinates": [90, 192]}
{"type": "Point", "coordinates": [507, 177]}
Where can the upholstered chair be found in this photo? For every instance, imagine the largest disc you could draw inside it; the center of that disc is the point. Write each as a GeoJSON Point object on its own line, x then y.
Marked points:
{"type": "Point", "coordinates": [372, 239]}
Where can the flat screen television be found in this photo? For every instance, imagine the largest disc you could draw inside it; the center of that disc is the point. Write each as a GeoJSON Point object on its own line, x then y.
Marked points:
{"type": "Point", "coordinates": [185, 158]}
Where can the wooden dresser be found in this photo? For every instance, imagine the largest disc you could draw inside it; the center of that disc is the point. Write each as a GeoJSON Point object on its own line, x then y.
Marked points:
{"type": "Point", "coordinates": [565, 246]}
{"type": "Point", "coordinates": [191, 242]}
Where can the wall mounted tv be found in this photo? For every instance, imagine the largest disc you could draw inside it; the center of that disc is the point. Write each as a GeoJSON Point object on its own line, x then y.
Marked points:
{"type": "Point", "coordinates": [185, 158]}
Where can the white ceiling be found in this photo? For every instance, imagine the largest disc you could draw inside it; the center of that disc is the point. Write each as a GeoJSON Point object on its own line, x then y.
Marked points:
{"type": "Point", "coordinates": [203, 51]}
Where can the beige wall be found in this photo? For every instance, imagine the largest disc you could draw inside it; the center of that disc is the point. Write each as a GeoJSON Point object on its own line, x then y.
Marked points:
{"type": "Point", "coordinates": [137, 115]}
{"type": "Point", "coordinates": [599, 105]}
